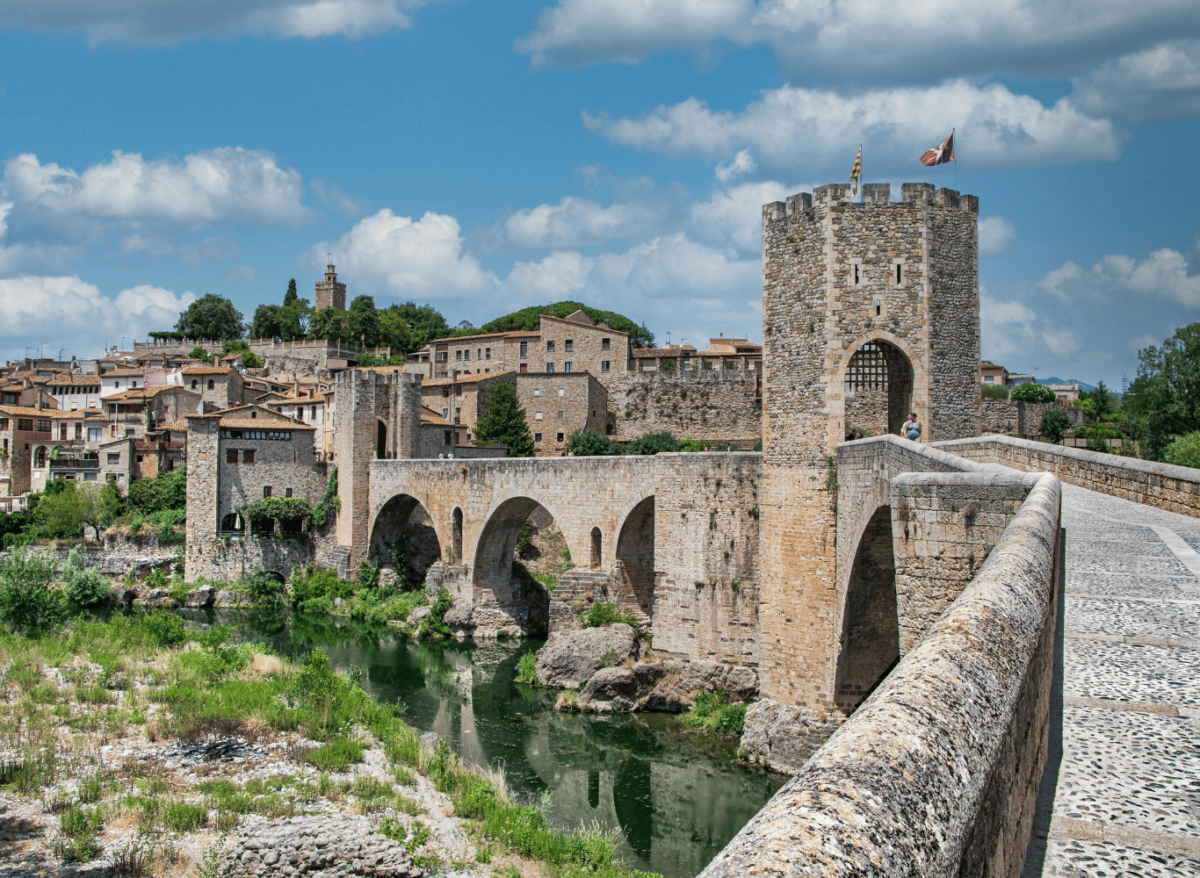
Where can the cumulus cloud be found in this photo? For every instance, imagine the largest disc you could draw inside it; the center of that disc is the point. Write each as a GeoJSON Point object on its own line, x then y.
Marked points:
{"type": "Point", "coordinates": [67, 312]}
{"type": "Point", "coordinates": [860, 39]}
{"type": "Point", "coordinates": [1164, 274]}
{"type": "Point", "coordinates": [1156, 84]}
{"type": "Point", "coordinates": [333, 196]}
{"type": "Point", "coordinates": [406, 257]}
{"type": "Point", "coordinates": [1062, 342]}
{"type": "Point", "coordinates": [577, 222]}
{"type": "Point", "coordinates": [229, 185]}
{"type": "Point", "coordinates": [788, 127]}
{"type": "Point", "coordinates": [995, 235]}
{"type": "Point", "coordinates": [742, 164]}
{"type": "Point", "coordinates": [169, 22]}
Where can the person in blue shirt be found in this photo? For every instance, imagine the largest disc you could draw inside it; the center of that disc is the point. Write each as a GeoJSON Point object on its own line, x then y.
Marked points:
{"type": "Point", "coordinates": [912, 428]}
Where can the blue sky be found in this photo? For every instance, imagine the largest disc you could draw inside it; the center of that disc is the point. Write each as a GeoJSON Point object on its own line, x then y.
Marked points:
{"type": "Point", "coordinates": [487, 156]}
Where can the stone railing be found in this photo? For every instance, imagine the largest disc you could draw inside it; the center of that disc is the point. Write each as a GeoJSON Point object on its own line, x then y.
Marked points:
{"type": "Point", "coordinates": [1175, 488]}
{"type": "Point", "coordinates": [937, 773]}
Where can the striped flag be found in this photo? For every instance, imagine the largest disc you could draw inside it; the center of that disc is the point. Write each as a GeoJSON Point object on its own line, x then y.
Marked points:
{"type": "Point", "coordinates": [856, 171]}
{"type": "Point", "coordinates": [939, 155]}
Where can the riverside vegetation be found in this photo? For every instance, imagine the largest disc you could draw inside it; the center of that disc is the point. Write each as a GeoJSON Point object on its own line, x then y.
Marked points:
{"type": "Point", "coordinates": [148, 749]}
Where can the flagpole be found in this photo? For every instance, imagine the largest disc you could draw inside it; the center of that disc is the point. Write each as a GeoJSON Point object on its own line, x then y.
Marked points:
{"type": "Point", "coordinates": [952, 134]}
{"type": "Point", "coordinates": [861, 194]}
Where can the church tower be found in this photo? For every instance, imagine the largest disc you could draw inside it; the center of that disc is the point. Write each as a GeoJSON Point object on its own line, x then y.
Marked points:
{"type": "Point", "coordinates": [330, 293]}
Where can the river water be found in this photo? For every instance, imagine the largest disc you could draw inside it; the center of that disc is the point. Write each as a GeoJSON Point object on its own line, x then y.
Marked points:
{"type": "Point", "coordinates": [673, 793]}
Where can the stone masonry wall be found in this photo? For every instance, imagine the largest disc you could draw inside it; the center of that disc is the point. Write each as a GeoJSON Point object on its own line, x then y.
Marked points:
{"type": "Point", "coordinates": [937, 773]}
{"type": "Point", "coordinates": [721, 405]}
{"type": "Point", "coordinates": [1007, 416]}
{"type": "Point", "coordinates": [706, 591]}
{"type": "Point", "coordinates": [578, 396]}
{"type": "Point", "coordinates": [1174, 488]}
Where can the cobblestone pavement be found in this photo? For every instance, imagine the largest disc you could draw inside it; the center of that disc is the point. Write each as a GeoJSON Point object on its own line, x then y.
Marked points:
{"type": "Point", "coordinates": [1121, 796]}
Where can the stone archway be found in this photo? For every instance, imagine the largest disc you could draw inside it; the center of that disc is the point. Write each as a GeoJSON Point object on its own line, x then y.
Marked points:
{"type": "Point", "coordinates": [635, 552]}
{"type": "Point", "coordinates": [404, 540]}
{"type": "Point", "coordinates": [877, 385]}
{"type": "Point", "coordinates": [870, 644]}
{"type": "Point", "coordinates": [503, 600]}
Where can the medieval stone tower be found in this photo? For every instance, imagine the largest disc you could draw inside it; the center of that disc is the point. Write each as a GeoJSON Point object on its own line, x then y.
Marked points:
{"type": "Point", "coordinates": [378, 417]}
{"type": "Point", "coordinates": [330, 293]}
{"type": "Point", "coordinates": [870, 311]}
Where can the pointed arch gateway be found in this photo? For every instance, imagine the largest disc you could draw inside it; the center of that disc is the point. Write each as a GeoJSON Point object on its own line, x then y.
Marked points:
{"type": "Point", "coordinates": [877, 386]}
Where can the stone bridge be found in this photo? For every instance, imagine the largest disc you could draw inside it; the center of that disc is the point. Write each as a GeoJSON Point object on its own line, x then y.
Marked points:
{"type": "Point", "coordinates": [634, 527]}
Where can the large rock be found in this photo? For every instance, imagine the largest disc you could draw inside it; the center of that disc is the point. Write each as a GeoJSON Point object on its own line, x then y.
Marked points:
{"type": "Point", "coordinates": [227, 598]}
{"type": "Point", "coordinates": [154, 597]}
{"type": "Point", "coordinates": [665, 686]}
{"type": "Point", "coordinates": [784, 737]}
{"type": "Point", "coordinates": [201, 597]}
{"type": "Point", "coordinates": [569, 661]}
{"type": "Point", "coordinates": [326, 846]}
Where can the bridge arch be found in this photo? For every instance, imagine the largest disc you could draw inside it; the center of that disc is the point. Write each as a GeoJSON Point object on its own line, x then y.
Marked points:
{"type": "Point", "coordinates": [404, 533]}
{"type": "Point", "coordinates": [870, 627]}
{"type": "Point", "coordinates": [635, 551]}
{"type": "Point", "coordinates": [497, 591]}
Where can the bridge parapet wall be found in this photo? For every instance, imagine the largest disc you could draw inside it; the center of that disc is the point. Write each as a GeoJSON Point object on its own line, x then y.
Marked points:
{"type": "Point", "coordinates": [937, 772]}
{"type": "Point", "coordinates": [1174, 488]}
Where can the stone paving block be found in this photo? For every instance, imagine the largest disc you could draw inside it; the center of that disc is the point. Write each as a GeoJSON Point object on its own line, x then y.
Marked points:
{"type": "Point", "coordinates": [1092, 859]}
{"type": "Point", "coordinates": [1130, 618]}
{"type": "Point", "coordinates": [1131, 672]}
{"type": "Point", "coordinates": [1134, 769]}
{"type": "Point", "coordinates": [1127, 562]}
{"type": "Point", "coordinates": [1120, 585]}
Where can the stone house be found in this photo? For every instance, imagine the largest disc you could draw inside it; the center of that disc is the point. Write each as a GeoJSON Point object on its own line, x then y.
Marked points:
{"type": "Point", "coordinates": [220, 387]}
{"type": "Point", "coordinates": [136, 412]}
{"type": "Point", "coordinates": [556, 405]}
{"type": "Point", "coordinates": [24, 433]}
{"type": "Point", "coordinates": [461, 399]}
{"type": "Point", "coordinates": [74, 392]}
{"type": "Point", "coordinates": [119, 379]}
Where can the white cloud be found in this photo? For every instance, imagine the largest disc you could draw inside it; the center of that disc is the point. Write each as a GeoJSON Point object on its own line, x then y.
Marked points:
{"type": "Point", "coordinates": [743, 163]}
{"type": "Point", "coordinates": [733, 217]}
{"type": "Point", "coordinates": [240, 274]}
{"type": "Point", "coordinates": [229, 185]}
{"type": "Point", "coordinates": [578, 222]}
{"type": "Point", "coordinates": [423, 258]}
{"type": "Point", "coordinates": [1164, 274]}
{"type": "Point", "coordinates": [168, 21]}
{"type": "Point", "coordinates": [1159, 83]}
{"type": "Point", "coordinates": [335, 197]}
{"type": "Point", "coordinates": [1062, 342]}
{"type": "Point", "coordinates": [791, 127]}
{"type": "Point", "coordinates": [67, 312]}
{"type": "Point", "coordinates": [995, 234]}
{"type": "Point", "coordinates": [861, 39]}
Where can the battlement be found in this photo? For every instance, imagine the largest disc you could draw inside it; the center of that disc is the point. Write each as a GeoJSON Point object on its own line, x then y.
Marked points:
{"type": "Point", "coordinates": [838, 194]}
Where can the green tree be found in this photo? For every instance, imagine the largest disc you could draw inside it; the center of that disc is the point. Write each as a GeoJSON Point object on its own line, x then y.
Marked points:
{"type": "Point", "coordinates": [529, 319]}
{"type": "Point", "coordinates": [27, 603]}
{"type": "Point", "coordinates": [332, 324]}
{"type": "Point", "coordinates": [211, 317]}
{"type": "Point", "coordinates": [268, 322]}
{"type": "Point", "coordinates": [591, 443]}
{"type": "Point", "coordinates": [364, 322]}
{"type": "Point", "coordinates": [1033, 393]}
{"type": "Point", "coordinates": [1054, 426]}
{"type": "Point", "coordinates": [1185, 451]}
{"type": "Point", "coordinates": [503, 420]}
{"type": "Point", "coordinates": [250, 359]}
{"type": "Point", "coordinates": [1166, 393]}
{"type": "Point", "coordinates": [424, 323]}
{"type": "Point", "coordinates": [393, 329]}
{"type": "Point", "coordinates": [111, 500]}
{"type": "Point", "coordinates": [63, 510]}
{"type": "Point", "coordinates": [291, 297]}
{"type": "Point", "coordinates": [199, 353]}
{"type": "Point", "coordinates": [995, 391]}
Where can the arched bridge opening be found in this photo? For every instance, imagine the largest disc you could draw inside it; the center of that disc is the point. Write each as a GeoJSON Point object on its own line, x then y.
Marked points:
{"type": "Point", "coordinates": [404, 540]}
{"type": "Point", "coordinates": [635, 552]}
{"type": "Point", "coordinates": [505, 595]}
{"type": "Point", "coordinates": [870, 645]}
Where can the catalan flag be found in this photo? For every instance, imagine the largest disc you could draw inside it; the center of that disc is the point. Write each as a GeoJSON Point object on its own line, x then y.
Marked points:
{"type": "Point", "coordinates": [939, 155]}
{"type": "Point", "coordinates": [856, 171]}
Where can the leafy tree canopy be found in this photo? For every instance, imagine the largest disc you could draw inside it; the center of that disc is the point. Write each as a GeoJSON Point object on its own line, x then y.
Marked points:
{"type": "Point", "coordinates": [363, 321]}
{"type": "Point", "coordinates": [1166, 393]}
{"type": "Point", "coordinates": [211, 317]}
{"type": "Point", "coordinates": [591, 443]}
{"type": "Point", "coordinates": [503, 420]}
{"type": "Point", "coordinates": [529, 319]}
{"type": "Point", "coordinates": [199, 353]}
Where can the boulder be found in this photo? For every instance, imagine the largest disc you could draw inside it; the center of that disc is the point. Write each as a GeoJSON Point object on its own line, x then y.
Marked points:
{"type": "Point", "coordinates": [204, 596]}
{"type": "Point", "coordinates": [620, 690]}
{"type": "Point", "coordinates": [226, 598]}
{"type": "Point", "coordinates": [569, 661]}
{"type": "Point", "coordinates": [785, 736]}
{"type": "Point", "coordinates": [682, 680]}
{"type": "Point", "coordinates": [155, 597]}
{"type": "Point", "coordinates": [460, 618]}
{"type": "Point", "coordinates": [418, 614]}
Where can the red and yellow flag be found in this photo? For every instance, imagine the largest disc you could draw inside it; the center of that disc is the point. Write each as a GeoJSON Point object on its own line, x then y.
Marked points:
{"type": "Point", "coordinates": [856, 172]}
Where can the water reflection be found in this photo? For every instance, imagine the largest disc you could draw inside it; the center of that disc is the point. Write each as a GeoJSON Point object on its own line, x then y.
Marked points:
{"type": "Point", "coordinates": [673, 794]}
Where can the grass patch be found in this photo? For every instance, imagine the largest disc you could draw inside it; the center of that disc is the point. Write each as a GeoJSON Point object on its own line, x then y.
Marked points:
{"type": "Point", "coordinates": [336, 755]}
{"type": "Point", "coordinates": [600, 614]}
{"type": "Point", "coordinates": [713, 712]}
{"type": "Point", "coordinates": [527, 668]}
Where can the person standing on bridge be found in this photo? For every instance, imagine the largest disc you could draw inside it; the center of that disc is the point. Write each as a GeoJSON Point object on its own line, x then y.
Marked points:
{"type": "Point", "coordinates": [912, 428]}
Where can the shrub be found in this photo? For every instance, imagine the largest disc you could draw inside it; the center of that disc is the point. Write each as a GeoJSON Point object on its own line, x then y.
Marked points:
{"type": "Point", "coordinates": [525, 539]}
{"type": "Point", "coordinates": [995, 391]}
{"type": "Point", "coordinates": [89, 588]}
{"type": "Point", "coordinates": [527, 668]}
{"type": "Point", "coordinates": [165, 629]}
{"type": "Point", "coordinates": [1097, 438]}
{"type": "Point", "coordinates": [1054, 426]}
{"type": "Point", "coordinates": [601, 614]}
{"type": "Point", "coordinates": [1031, 392]}
{"type": "Point", "coordinates": [368, 576]}
{"type": "Point", "coordinates": [713, 712]}
{"type": "Point", "coordinates": [27, 603]}
{"type": "Point", "coordinates": [318, 582]}
{"type": "Point", "coordinates": [653, 443]}
{"type": "Point", "coordinates": [1185, 451]}
{"type": "Point", "coordinates": [591, 443]}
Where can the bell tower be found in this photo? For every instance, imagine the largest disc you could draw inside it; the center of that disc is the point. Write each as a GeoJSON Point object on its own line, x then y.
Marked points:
{"type": "Point", "coordinates": [331, 293]}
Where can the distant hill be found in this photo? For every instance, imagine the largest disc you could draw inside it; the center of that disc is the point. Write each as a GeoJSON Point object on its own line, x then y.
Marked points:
{"type": "Point", "coordinates": [529, 319]}
{"type": "Point", "coordinates": [1083, 385]}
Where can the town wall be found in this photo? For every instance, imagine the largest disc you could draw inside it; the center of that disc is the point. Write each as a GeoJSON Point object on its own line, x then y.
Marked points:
{"type": "Point", "coordinates": [717, 404]}
{"type": "Point", "coordinates": [1006, 417]}
{"type": "Point", "coordinates": [1174, 488]}
{"type": "Point", "coordinates": [937, 773]}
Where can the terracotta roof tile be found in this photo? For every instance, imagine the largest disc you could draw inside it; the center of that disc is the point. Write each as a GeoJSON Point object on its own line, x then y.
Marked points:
{"type": "Point", "coordinates": [207, 370]}
{"type": "Point", "coordinates": [264, 424]}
